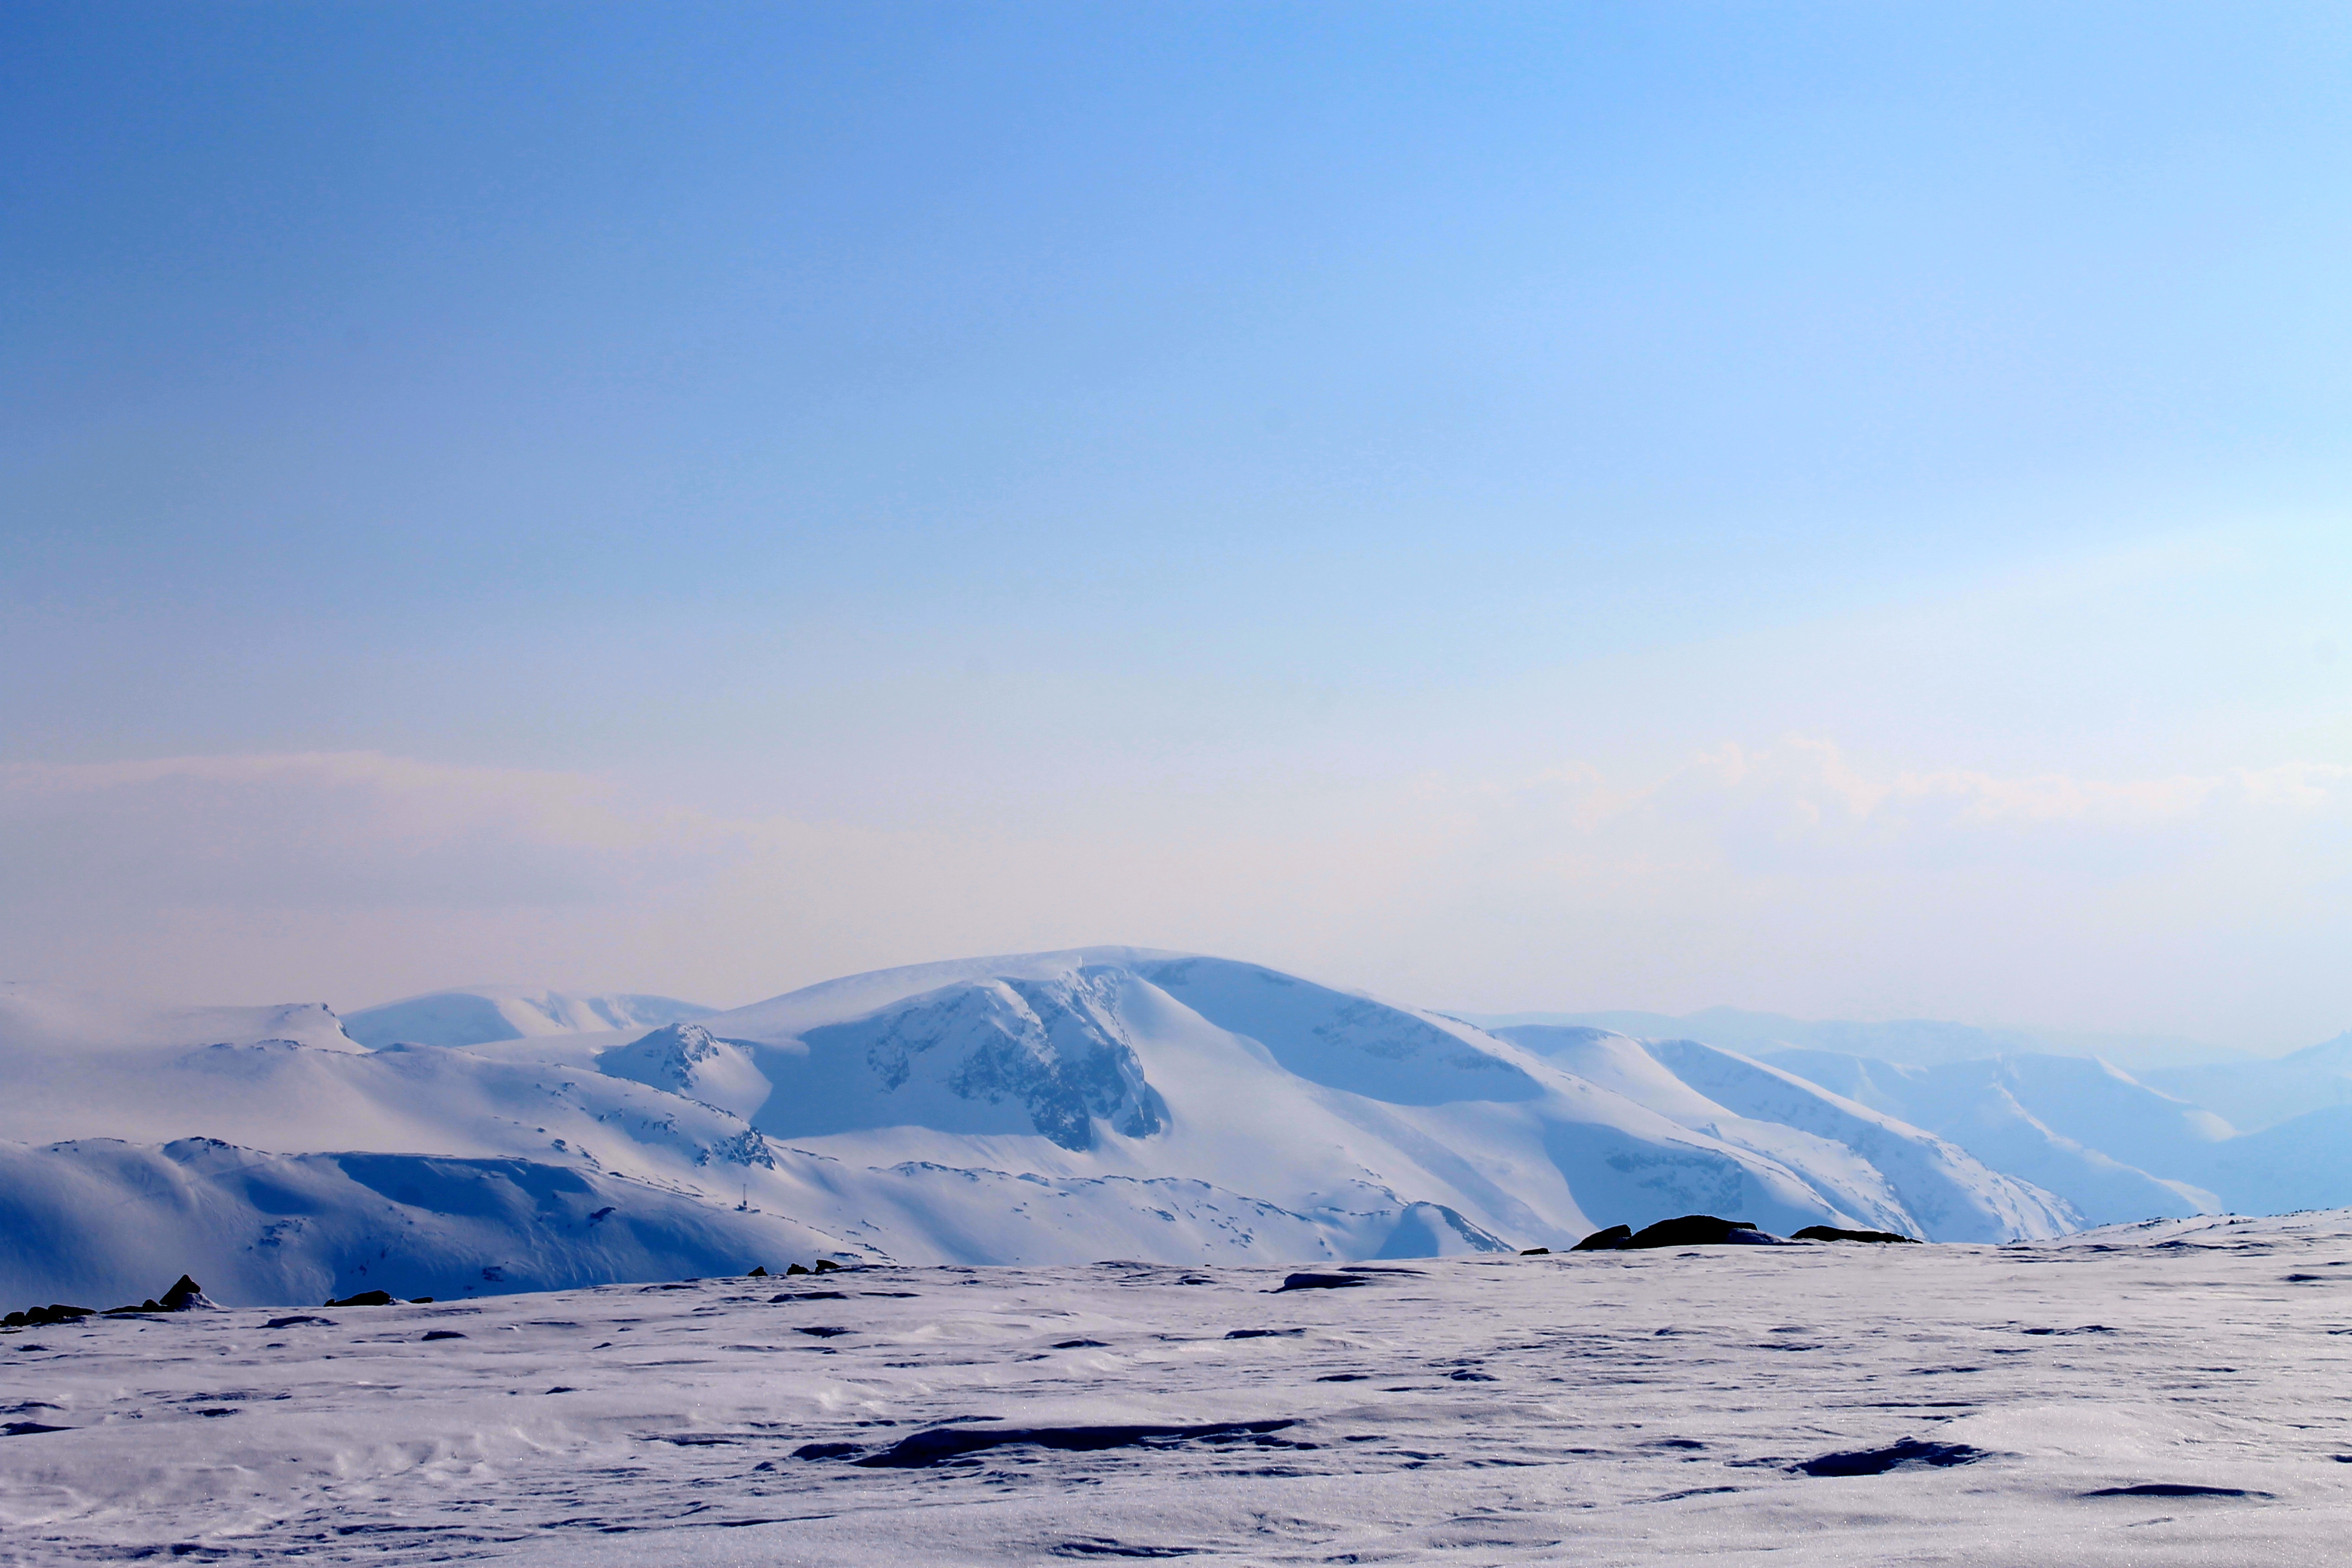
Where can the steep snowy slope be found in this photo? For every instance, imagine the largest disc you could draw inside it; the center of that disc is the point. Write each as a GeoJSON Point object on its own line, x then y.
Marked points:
{"type": "Point", "coordinates": [1924, 1184]}
{"type": "Point", "coordinates": [486, 1013]}
{"type": "Point", "coordinates": [1130, 1061]}
{"type": "Point", "coordinates": [98, 1222]}
{"type": "Point", "coordinates": [2114, 1147]}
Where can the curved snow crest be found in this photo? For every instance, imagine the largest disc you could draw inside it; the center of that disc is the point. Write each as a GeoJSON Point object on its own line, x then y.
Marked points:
{"type": "Point", "coordinates": [1150, 1063]}
{"type": "Point", "coordinates": [687, 1059]}
{"type": "Point", "coordinates": [38, 1019]}
{"type": "Point", "coordinates": [484, 1014]}
{"type": "Point", "coordinates": [991, 1054]}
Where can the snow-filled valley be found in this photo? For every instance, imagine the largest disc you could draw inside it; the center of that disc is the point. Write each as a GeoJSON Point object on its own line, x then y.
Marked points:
{"type": "Point", "coordinates": [2160, 1394]}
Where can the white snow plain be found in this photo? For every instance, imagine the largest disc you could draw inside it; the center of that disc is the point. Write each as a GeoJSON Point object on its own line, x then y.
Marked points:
{"type": "Point", "coordinates": [2167, 1394]}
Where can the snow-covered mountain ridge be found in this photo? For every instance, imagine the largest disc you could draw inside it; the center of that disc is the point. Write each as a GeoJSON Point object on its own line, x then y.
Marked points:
{"type": "Point", "coordinates": [1043, 1107]}
{"type": "Point", "coordinates": [482, 1014]}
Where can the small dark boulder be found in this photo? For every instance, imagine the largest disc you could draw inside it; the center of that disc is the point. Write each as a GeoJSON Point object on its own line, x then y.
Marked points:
{"type": "Point", "coordinates": [1688, 1230]}
{"type": "Point", "coordinates": [1832, 1233]}
{"type": "Point", "coordinates": [1319, 1282]}
{"type": "Point", "coordinates": [1535, 1252]}
{"type": "Point", "coordinates": [1908, 1454]}
{"type": "Point", "coordinates": [367, 1299]}
{"type": "Point", "coordinates": [797, 1269]}
{"type": "Point", "coordinates": [299, 1319]}
{"type": "Point", "coordinates": [759, 1273]}
{"type": "Point", "coordinates": [1609, 1240]}
{"type": "Point", "coordinates": [824, 1266]}
{"type": "Point", "coordinates": [433, 1334]}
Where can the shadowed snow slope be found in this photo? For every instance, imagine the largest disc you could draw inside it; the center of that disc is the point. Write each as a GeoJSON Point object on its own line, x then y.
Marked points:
{"type": "Point", "coordinates": [90, 1221]}
{"type": "Point", "coordinates": [1047, 1107]}
{"type": "Point", "coordinates": [490, 1012]}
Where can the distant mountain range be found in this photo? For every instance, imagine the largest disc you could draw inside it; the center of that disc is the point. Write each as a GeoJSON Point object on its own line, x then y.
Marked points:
{"type": "Point", "coordinates": [484, 1014]}
{"type": "Point", "coordinates": [1919, 1042]}
{"type": "Point", "coordinates": [1039, 1108]}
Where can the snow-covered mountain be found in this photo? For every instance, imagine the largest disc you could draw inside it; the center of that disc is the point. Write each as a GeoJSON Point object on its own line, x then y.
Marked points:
{"type": "Point", "coordinates": [1912, 1041]}
{"type": "Point", "coordinates": [2115, 1148]}
{"type": "Point", "coordinates": [481, 1014]}
{"type": "Point", "coordinates": [2258, 1093]}
{"type": "Point", "coordinates": [1918, 1183]}
{"type": "Point", "coordinates": [1045, 1108]}
{"type": "Point", "coordinates": [2113, 1145]}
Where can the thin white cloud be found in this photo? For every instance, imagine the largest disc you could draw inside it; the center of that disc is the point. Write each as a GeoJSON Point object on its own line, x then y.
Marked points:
{"type": "Point", "coordinates": [1781, 875]}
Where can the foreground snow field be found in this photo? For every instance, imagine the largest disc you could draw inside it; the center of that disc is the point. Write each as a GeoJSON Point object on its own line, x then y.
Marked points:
{"type": "Point", "coordinates": [2172, 1393]}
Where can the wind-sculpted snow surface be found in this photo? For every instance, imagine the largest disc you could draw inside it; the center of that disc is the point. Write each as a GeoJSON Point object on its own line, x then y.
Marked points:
{"type": "Point", "coordinates": [2157, 1396]}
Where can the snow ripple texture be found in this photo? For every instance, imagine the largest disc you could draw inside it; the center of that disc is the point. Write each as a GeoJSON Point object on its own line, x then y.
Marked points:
{"type": "Point", "coordinates": [2169, 1393]}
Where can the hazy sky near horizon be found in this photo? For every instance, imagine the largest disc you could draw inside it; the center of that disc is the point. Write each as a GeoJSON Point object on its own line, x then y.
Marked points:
{"type": "Point", "coordinates": [1840, 509]}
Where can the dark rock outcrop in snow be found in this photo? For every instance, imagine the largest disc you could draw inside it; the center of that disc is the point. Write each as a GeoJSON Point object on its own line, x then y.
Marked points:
{"type": "Point", "coordinates": [1686, 1230]}
{"type": "Point", "coordinates": [46, 1316]}
{"type": "Point", "coordinates": [942, 1444]}
{"type": "Point", "coordinates": [1909, 1454]}
{"type": "Point", "coordinates": [185, 1296]}
{"type": "Point", "coordinates": [1832, 1233]}
{"type": "Point", "coordinates": [1318, 1282]}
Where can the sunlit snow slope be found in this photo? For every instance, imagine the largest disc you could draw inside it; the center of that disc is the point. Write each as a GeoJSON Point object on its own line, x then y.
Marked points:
{"type": "Point", "coordinates": [486, 1014]}
{"type": "Point", "coordinates": [1042, 1109]}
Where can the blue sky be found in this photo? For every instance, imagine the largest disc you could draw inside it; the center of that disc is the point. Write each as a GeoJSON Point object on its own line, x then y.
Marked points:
{"type": "Point", "coordinates": [704, 499]}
